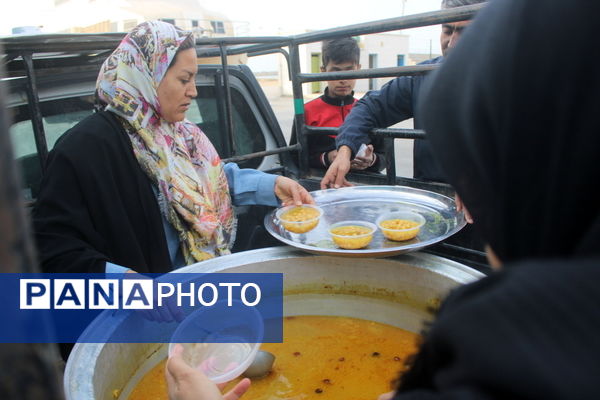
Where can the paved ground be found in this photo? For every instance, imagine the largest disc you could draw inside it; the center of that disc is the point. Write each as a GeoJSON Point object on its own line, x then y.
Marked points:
{"type": "Point", "coordinates": [284, 110]}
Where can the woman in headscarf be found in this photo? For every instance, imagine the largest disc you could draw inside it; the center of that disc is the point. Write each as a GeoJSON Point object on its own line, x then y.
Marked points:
{"type": "Point", "coordinates": [518, 135]}
{"type": "Point", "coordinates": [136, 185]}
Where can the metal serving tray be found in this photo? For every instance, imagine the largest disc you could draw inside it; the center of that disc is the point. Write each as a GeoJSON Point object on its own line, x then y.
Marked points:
{"type": "Point", "coordinates": [367, 203]}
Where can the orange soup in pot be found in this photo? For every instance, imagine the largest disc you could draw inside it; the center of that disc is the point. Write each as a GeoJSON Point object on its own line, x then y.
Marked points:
{"type": "Point", "coordinates": [322, 357]}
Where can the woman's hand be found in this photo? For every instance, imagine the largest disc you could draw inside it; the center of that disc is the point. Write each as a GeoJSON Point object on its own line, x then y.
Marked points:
{"type": "Point", "coordinates": [386, 396]}
{"type": "Point", "coordinates": [291, 192]}
{"type": "Point", "coordinates": [460, 206]}
{"type": "Point", "coordinates": [187, 383]}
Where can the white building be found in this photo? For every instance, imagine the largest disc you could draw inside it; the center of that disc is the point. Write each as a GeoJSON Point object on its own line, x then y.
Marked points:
{"type": "Point", "coordinates": [94, 16]}
{"type": "Point", "coordinates": [376, 51]}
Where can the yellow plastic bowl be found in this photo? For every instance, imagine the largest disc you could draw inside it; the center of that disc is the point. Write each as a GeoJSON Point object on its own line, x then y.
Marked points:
{"type": "Point", "coordinates": [352, 235]}
{"type": "Point", "coordinates": [401, 225]}
{"type": "Point", "coordinates": [299, 219]}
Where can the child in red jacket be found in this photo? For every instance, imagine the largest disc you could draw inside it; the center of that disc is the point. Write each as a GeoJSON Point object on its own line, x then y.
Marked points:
{"type": "Point", "coordinates": [331, 109]}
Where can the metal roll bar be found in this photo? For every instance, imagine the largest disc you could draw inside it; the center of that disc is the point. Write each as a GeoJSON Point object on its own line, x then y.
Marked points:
{"type": "Point", "coordinates": [26, 48]}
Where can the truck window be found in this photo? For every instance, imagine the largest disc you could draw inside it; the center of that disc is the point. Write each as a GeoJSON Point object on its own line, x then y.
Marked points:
{"type": "Point", "coordinates": [248, 134]}
{"type": "Point", "coordinates": [58, 116]}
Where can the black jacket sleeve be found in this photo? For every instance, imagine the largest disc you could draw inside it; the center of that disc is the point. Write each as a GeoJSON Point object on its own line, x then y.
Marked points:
{"type": "Point", "coordinates": [378, 108]}
{"type": "Point", "coordinates": [527, 332]}
{"type": "Point", "coordinates": [97, 205]}
{"type": "Point", "coordinates": [63, 227]}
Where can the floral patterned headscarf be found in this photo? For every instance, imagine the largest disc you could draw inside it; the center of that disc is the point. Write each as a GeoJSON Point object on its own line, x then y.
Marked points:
{"type": "Point", "coordinates": [193, 192]}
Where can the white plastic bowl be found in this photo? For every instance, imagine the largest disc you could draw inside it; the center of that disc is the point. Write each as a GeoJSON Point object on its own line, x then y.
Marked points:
{"type": "Point", "coordinates": [221, 354]}
{"type": "Point", "coordinates": [353, 241]}
{"type": "Point", "coordinates": [296, 226]}
{"type": "Point", "coordinates": [399, 235]}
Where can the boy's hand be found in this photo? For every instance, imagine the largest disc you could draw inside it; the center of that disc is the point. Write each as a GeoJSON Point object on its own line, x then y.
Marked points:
{"type": "Point", "coordinates": [331, 156]}
{"type": "Point", "coordinates": [335, 177]}
{"type": "Point", "coordinates": [365, 161]}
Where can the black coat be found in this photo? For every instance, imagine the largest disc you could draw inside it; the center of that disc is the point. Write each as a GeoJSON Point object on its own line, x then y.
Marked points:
{"type": "Point", "coordinates": [529, 332]}
{"type": "Point", "coordinates": [516, 132]}
{"type": "Point", "coordinates": [97, 205]}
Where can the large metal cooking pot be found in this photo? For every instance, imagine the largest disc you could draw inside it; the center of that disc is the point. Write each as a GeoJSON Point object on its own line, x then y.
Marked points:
{"type": "Point", "coordinates": [397, 291]}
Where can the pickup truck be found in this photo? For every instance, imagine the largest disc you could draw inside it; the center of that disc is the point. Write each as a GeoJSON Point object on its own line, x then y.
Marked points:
{"type": "Point", "coordinates": [50, 80]}
{"type": "Point", "coordinates": [51, 83]}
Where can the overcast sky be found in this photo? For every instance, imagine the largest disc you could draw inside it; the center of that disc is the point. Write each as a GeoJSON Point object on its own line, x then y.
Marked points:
{"type": "Point", "coordinates": [269, 16]}
{"type": "Point", "coordinates": [317, 14]}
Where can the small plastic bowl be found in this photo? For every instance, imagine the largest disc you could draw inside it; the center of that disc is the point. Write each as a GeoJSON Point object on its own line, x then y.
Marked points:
{"type": "Point", "coordinates": [400, 225]}
{"type": "Point", "coordinates": [352, 235]}
{"type": "Point", "coordinates": [220, 346]}
{"type": "Point", "coordinates": [299, 219]}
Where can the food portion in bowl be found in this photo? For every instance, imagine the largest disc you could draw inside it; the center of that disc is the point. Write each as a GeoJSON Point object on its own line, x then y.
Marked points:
{"type": "Point", "coordinates": [401, 225]}
{"type": "Point", "coordinates": [299, 219]}
{"type": "Point", "coordinates": [352, 235]}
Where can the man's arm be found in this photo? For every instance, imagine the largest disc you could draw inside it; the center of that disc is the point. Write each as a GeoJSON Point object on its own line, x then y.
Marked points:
{"type": "Point", "coordinates": [380, 108]}
{"type": "Point", "coordinates": [377, 109]}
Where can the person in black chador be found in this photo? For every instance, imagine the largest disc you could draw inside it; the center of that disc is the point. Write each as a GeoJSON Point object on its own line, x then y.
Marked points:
{"type": "Point", "coordinates": [517, 134]}
{"type": "Point", "coordinates": [332, 108]}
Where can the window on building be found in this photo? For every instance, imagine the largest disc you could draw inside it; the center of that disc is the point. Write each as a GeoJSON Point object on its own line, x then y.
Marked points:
{"type": "Point", "coordinates": [400, 60]}
{"type": "Point", "coordinates": [57, 116]}
{"type": "Point", "coordinates": [168, 20]}
{"type": "Point", "coordinates": [194, 23]}
{"type": "Point", "coordinates": [218, 26]}
{"type": "Point", "coordinates": [129, 24]}
{"type": "Point", "coordinates": [315, 67]}
{"type": "Point", "coordinates": [373, 63]}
